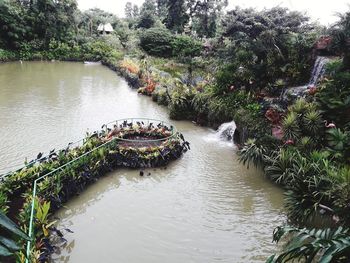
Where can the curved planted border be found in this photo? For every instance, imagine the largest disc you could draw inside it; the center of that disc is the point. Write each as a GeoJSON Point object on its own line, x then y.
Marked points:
{"type": "Point", "coordinates": [60, 175]}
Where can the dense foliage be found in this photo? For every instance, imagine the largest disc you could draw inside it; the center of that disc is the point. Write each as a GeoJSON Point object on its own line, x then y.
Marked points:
{"type": "Point", "coordinates": [212, 66]}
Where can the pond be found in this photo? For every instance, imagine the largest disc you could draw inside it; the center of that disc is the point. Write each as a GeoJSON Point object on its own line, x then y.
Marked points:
{"type": "Point", "coordinates": [204, 207]}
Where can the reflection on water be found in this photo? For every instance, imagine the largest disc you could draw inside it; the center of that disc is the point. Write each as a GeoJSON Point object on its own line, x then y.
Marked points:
{"type": "Point", "coordinates": [204, 207]}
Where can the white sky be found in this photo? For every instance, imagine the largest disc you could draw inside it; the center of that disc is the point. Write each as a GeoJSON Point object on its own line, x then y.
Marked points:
{"type": "Point", "coordinates": [321, 10]}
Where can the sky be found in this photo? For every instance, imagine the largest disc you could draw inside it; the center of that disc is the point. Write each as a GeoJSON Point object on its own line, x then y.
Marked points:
{"type": "Point", "coordinates": [321, 10]}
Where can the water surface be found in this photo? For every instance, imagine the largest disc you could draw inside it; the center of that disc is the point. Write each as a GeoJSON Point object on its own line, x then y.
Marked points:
{"type": "Point", "coordinates": [204, 207]}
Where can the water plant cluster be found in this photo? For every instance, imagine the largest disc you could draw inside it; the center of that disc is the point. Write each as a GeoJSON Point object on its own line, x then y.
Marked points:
{"type": "Point", "coordinates": [63, 174]}
{"type": "Point", "coordinates": [211, 66]}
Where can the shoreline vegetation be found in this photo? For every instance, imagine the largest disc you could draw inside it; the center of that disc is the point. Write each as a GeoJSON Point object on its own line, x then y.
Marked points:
{"type": "Point", "coordinates": [240, 65]}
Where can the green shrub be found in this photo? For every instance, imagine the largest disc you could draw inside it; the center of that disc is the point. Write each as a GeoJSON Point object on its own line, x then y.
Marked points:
{"type": "Point", "coordinates": [185, 46]}
{"type": "Point", "coordinates": [180, 106]}
{"type": "Point", "coordinates": [334, 98]}
{"type": "Point", "coordinates": [157, 42]}
{"type": "Point", "coordinates": [99, 50]}
{"type": "Point", "coordinates": [6, 55]}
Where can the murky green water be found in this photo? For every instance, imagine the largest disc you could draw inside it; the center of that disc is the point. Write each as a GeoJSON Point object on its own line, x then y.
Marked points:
{"type": "Point", "coordinates": [204, 207]}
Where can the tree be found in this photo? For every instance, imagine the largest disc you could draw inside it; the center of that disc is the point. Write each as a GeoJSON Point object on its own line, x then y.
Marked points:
{"type": "Point", "coordinates": [186, 48]}
{"type": "Point", "coordinates": [162, 8]}
{"type": "Point", "coordinates": [128, 10]}
{"type": "Point", "coordinates": [12, 24]}
{"type": "Point", "coordinates": [177, 17]}
{"type": "Point", "coordinates": [135, 11]}
{"type": "Point", "coordinates": [261, 43]}
{"type": "Point", "coordinates": [147, 14]}
{"type": "Point", "coordinates": [90, 19]}
{"type": "Point", "coordinates": [52, 19]}
{"type": "Point", "coordinates": [341, 38]}
{"type": "Point", "coordinates": [205, 14]}
{"type": "Point", "coordinates": [149, 6]}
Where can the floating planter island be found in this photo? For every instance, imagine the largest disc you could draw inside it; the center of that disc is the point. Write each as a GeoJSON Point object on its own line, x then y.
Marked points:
{"type": "Point", "coordinates": [53, 179]}
{"type": "Point", "coordinates": [144, 144]}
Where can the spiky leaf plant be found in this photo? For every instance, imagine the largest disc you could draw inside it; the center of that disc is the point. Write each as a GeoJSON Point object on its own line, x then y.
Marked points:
{"type": "Point", "coordinates": [280, 168]}
{"type": "Point", "coordinates": [300, 106]}
{"type": "Point", "coordinates": [252, 153]}
{"type": "Point", "coordinates": [312, 121]}
{"type": "Point", "coordinates": [306, 144]}
{"type": "Point", "coordinates": [290, 126]}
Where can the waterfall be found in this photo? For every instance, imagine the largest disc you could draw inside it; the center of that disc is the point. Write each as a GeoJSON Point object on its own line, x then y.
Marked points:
{"type": "Point", "coordinates": [317, 73]}
{"type": "Point", "coordinates": [226, 130]}
{"type": "Point", "coordinates": [318, 70]}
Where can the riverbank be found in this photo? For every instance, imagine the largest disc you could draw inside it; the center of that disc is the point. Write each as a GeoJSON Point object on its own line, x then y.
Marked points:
{"type": "Point", "coordinates": [91, 95]}
{"type": "Point", "coordinates": [198, 102]}
{"type": "Point", "coordinates": [201, 104]}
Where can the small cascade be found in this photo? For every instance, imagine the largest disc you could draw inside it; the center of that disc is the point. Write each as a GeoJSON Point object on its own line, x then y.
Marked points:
{"type": "Point", "coordinates": [317, 73]}
{"type": "Point", "coordinates": [318, 70]}
{"type": "Point", "coordinates": [226, 131]}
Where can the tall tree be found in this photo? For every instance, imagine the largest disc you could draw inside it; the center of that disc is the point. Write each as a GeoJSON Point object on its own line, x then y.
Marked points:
{"type": "Point", "coordinates": [205, 15]}
{"type": "Point", "coordinates": [148, 13]}
{"type": "Point", "coordinates": [90, 19]}
{"type": "Point", "coordinates": [135, 11]}
{"type": "Point", "coordinates": [128, 10]}
{"type": "Point", "coordinates": [341, 38]}
{"type": "Point", "coordinates": [162, 8]}
{"type": "Point", "coordinates": [13, 28]}
{"type": "Point", "coordinates": [177, 16]}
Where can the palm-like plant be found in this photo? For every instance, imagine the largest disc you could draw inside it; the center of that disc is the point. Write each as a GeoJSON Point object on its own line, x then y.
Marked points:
{"type": "Point", "coordinates": [290, 126]}
{"type": "Point", "coordinates": [300, 106]}
{"type": "Point", "coordinates": [280, 169]}
{"type": "Point", "coordinates": [337, 139]}
{"type": "Point", "coordinates": [310, 187]}
{"type": "Point", "coordinates": [252, 153]}
{"type": "Point", "coordinates": [325, 245]}
{"type": "Point", "coordinates": [306, 144]}
{"type": "Point", "coordinates": [313, 122]}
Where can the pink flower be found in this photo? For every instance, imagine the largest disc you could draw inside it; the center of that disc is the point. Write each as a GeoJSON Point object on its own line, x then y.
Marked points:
{"type": "Point", "coordinates": [289, 142]}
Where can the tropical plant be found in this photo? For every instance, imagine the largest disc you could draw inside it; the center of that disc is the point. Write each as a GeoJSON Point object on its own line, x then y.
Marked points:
{"type": "Point", "coordinates": [253, 153]}
{"type": "Point", "coordinates": [280, 168]}
{"type": "Point", "coordinates": [312, 121]}
{"type": "Point", "coordinates": [334, 98]}
{"type": "Point", "coordinates": [341, 35]}
{"type": "Point", "coordinates": [8, 246]}
{"type": "Point", "coordinates": [324, 245]}
{"type": "Point", "coordinates": [290, 126]}
{"type": "Point", "coordinates": [338, 143]}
